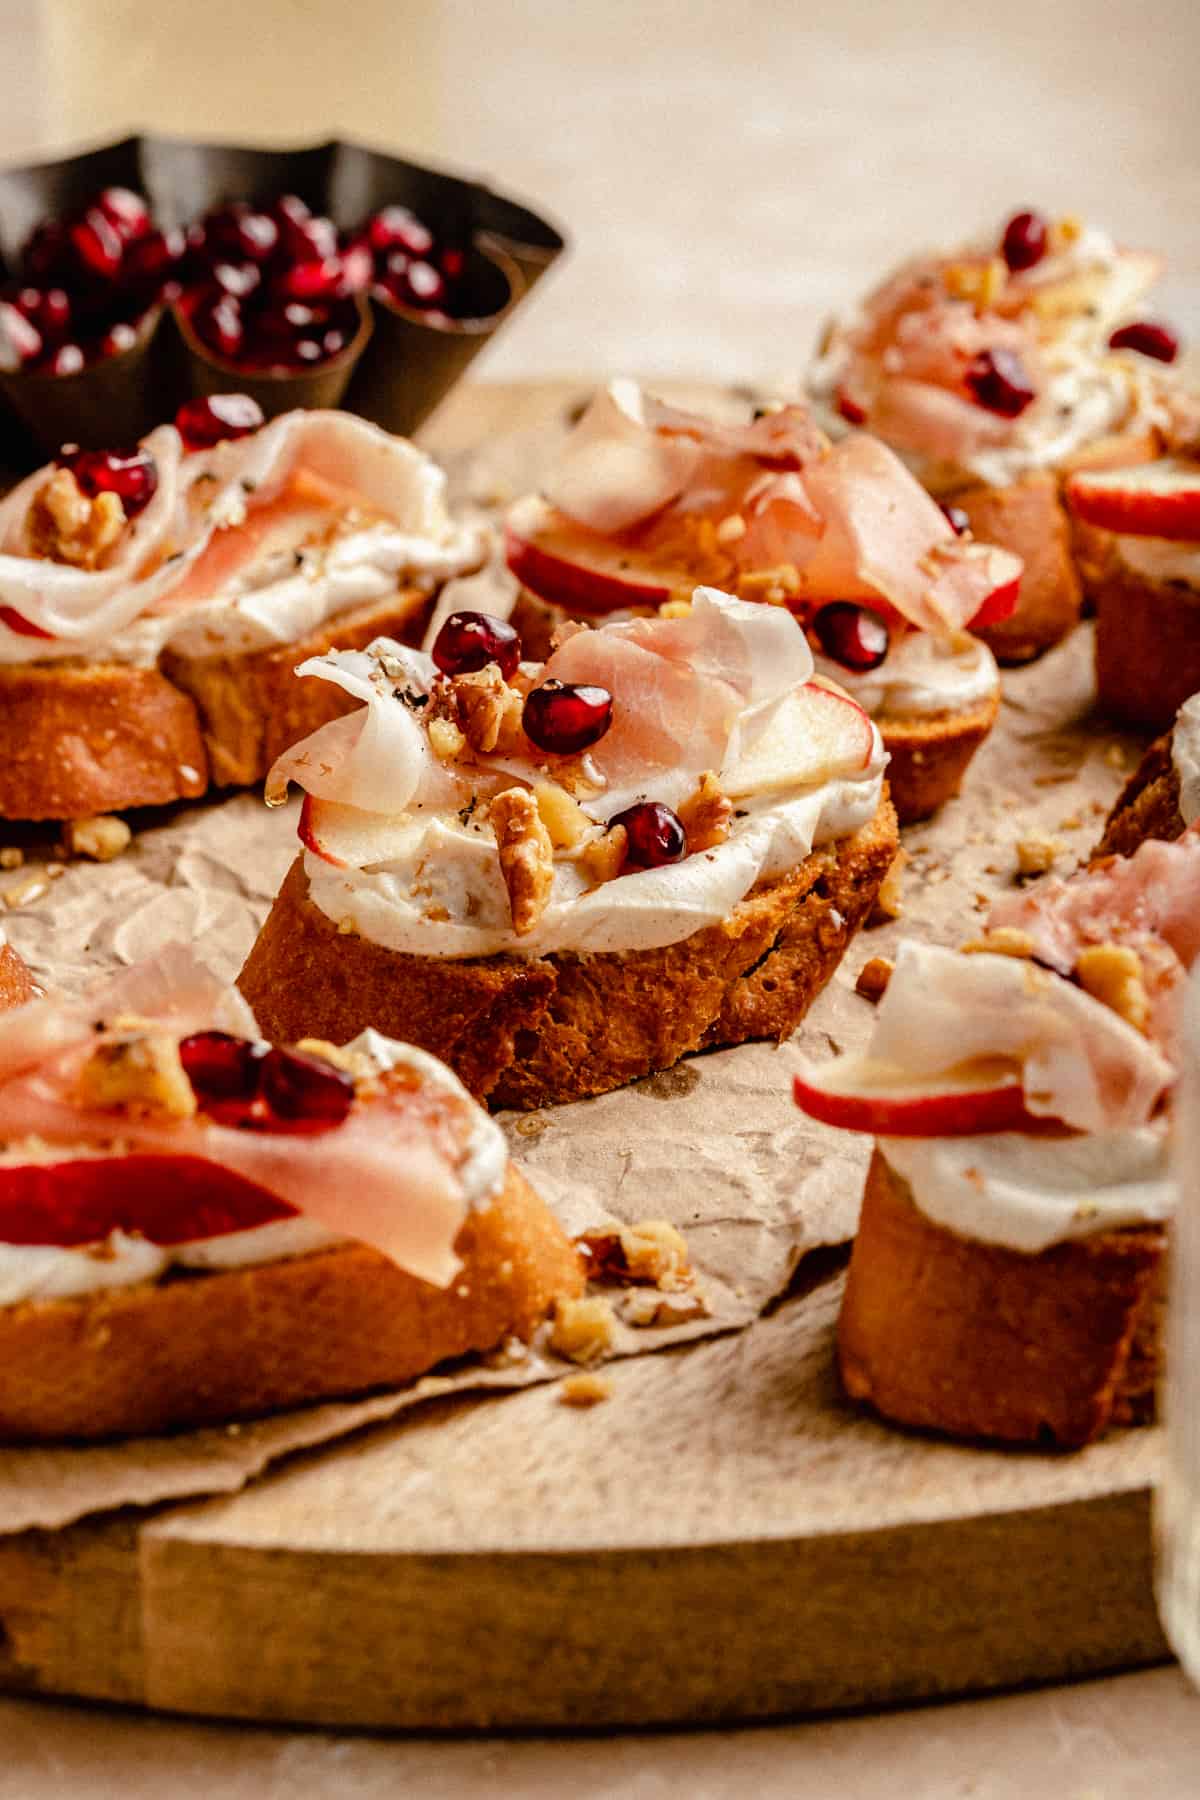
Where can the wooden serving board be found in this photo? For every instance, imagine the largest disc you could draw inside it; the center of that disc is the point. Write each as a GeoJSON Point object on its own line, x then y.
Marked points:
{"type": "Point", "coordinates": [724, 1538]}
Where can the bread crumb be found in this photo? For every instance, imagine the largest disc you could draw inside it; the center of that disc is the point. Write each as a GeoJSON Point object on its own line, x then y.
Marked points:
{"type": "Point", "coordinates": [873, 978]}
{"type": "Point", "coordinates": [1036, 854]}
{"type": "Point", "coordinates": [12, 857]}
{"type": "Point", "coordinates": [1112, 973]}
{"type": "Point", "coordinates": [584, 1330]}
{"type": "Point", "coordinates": [102, 837]}
{"type": "Point", "coordinates": [889, 901]}
{"type": "Point", "coordinates": [584, 1390]}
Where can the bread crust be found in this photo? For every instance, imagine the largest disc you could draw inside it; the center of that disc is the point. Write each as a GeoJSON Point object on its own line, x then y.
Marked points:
{"type": "Point", "coordinates": [556, 1028]}
{"type": "Point", "coordinates": [953, 1335]}
{"type": "Point", "coordinates": [930, 755]}
{"type": "Point", "coordinates": [16, 983]}
{"type": "Point", "coordinates": [1147, 806]}
{"type": "Point", "coordinates": [85, 738]}
{"type": "Point", "coordinates": [204, 1348]}
{"type": "Point", "coordinates": [1147, 646]}
{"type": "Point", "coordinates": [1027, 517]}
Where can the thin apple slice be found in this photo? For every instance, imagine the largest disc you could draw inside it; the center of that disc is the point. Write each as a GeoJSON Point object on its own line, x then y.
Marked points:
{"type": "Point", "coordinates": [165, 1199]}
{"type": "Point", "coordinates": [578, 570]}
{"type": "Point", "coordinates": [346, 837]}
{"type": "Point", "coordinates": [1156, 499]}
{"type": "Point", "coordinates": [813, 733]}
{"type": "Point", "coordinates": [852, 1092]}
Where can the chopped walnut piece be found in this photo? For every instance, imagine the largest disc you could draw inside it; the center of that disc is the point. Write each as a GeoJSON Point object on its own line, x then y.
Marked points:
{"type": "Point", "coordinates": [584, 1390]}
{"type": "Point", "coordinates": [562, 816]}
{"type": "Point", "coordinates": [675, 609]}
{"type": "Point", "coordinates": [980, 282]}
{"type": "Point", "coordinates": [526, 856]}
{"type": "Point", "coordinates": [1002, 940]}
{"type": "Point", "coordinates": [645, 1308]}
{"type": "Point", "coordinates": [731, 528]}
{"type": "Point", "coordinates": [776, 586]}
{"type": "Point", "coordinates": [705, 815]}
{"type": "Point", "coordinates": [604, 857]}
{"type": "Point", "coordinates": [141, 1069]}
{"type": "Point", "coordinates": [655, 1251]}
{"type": "Point", "coordinates": [565, 630]}
{"type": "Point", "coordinates": [583, 1330]}
{"type": "Point", "coordinates": [101, 838]}
{"type": "Point", "coordinates": [67, 527]}
{"type": "Point", "coordinates": [488, 710]}
{"type": "Point", "coordinates": [873, 978]}
{"type": "Point", "coordinates": [889, 901]}
{"type": "Point", "coordinates": [1113, 974]}
{"type": "Point", "coordinates": [1036, 854]}
{"type": "Point", "coordinates": [445, 739]}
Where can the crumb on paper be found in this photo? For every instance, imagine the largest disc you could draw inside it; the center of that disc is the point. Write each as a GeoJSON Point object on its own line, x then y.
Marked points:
{"type": "Point", "coordinates": [655, 1251]}
{"type": "Point", "coordinates": [584, 1331]}
{"type": "Point", "coordinates": [1115, 757]}
{"type": "Point", "coordinates": [101, 838]}
{"type": "Point", "coordinates": [584, 1390]}
{"type": "Point", "coordinates": [531, 1125]}
{"type": "Point", "coordinates": [32, 888]}
{"type": "Point", "coordinates": [889, 901]}
{"type": "Point", "coordinates": [1036, 854]}
{"type": "Point", "coordinates": [873, 978]}
{"type": "Point", "coordinates": [647, 1307]}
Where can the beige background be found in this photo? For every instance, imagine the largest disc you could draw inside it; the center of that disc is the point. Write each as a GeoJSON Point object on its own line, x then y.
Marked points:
{"type": "Point", "coordinates": [729, 173]}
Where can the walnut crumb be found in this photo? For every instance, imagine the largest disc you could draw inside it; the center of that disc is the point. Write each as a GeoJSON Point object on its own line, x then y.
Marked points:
{"type": "Point", "coordinates": [32, 888]}
{"type": "Point", "coordinates": [603, 858]}
{"type": "Point", "coordinates": [584, 1390]}
{"type": "Point", "coordinates": [489, 710]}
{"type": "Point", "coordinates": [562, 816]}
{"type": "Point", "coordinates": [873, 978]}
{"type": "Point", "coordinates": [655, 1250]}
{"type": "Point", "coordinates": [139, 1069]}
{"type": "Point", "coordinates": [565, 630]}
{"type": "Point", "coordinates": [1112, 973]}
{"type": "Point", "coordinates": [889, 901]}
{"type": "Point", "coordinates": [353, 1062]}
{"type": "Point", "coordinates": [675, 609]}
{"type": "Point", "coordinates": [1114, 756]}
{"type": "Point", "coordinates": [446, 740]}
{"type": "Point", "coordinates": [776, 586]}
{"type": "Point", "coordinates": [584, 1330]}
{"type": "Point", "coordinates": [1036, 854]}
{"type": "Point", "coordinates": [11, 857]}
{"type": "Point", "coordinates": [1004, 940]}
{"type": "Point", "coordinates": [705, 815]}
{"type": "Point", "coordinates": [526, 856]}
{"type": "Point", "coordinates": [731, 528]}
{"type": "Point", "coordinates": [645, 1308]}
{"type": "Point", "coordinates": [102, 838]}
{"type": "Point", "coordinates": [68, 527]}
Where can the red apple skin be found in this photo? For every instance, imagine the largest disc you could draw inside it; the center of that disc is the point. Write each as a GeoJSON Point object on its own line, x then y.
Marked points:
{"type": "Point", "coordinates": [167, 1199]}
{"type": "Point", "coordinates": [575, 586]}
{"type": "Point", "coordinates": [1000, 604]}
{"type": "Point", "coordinates": [1154, 500]}
{"type": "Point", "coordinates": [962, 1114]}
{"type": "Point", "coordinates": [20, 624]}
{"type": "Point", "coordinates": [306, 832]}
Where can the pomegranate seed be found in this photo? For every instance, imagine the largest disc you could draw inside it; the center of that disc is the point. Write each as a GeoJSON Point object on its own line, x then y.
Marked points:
{"type": "Point", "coordinates": [257, 236]}
{"type": "Point", "coordinates": [216, 418]}
{"type": "Point", "coordinates": [221, 1066]}
{"type": "Point", "coordinates": [153, 258]}
{"type": "Point", "coordinates": [452, 262]}
{"type": "Point", "coordinates": [1148, 339]}
{"type": "Point", "coordinates": [309, 239]}
{"type": "Point", "coordinates": [852, 635]}
{"type": "Point", "coordinates": [1024, 241]}
{"type": "Point", "coordinates": [97, 245]}
{"type": "Point", "coordinates": [68, 359]}
{"type": "Point", "coordinates": [133, 474]}
{"type": "Point", "coordinates": [217, 322]}
{"type": "Point", "coordinates": [421, 285]}
{"type": "Point", "coordinates": [958, 519]}
{"type": "Point", "coordinates": [396, 228]}
{"type": "Point", "coordinates": [654, 835]}
{"type": "Point", "coordinates": [289, 209]}
{"type": "Point", "coordinates": [22, 626]}
{"type": "Point", "coordinates": [307, 350]}
{"type": "Point", "coordinates": [358, 266]}
{"type": "Point", "coordinates": [120, 338]}
{"type": "Point", "coordinates": [333, 342]}
{"type": "Point", "coordinates": [562, 718]}
{"type": "Point", "coordinates": [47, 308]}
{"type": "Point", "coordinates": [20, 340]}
{"type": "Point", "coordinates": [46, 255]}
{"type": "Point", "coordinates": [470, 640]}
{"type": "Point", "coordinates": [996, 379]}
{"type": "Point", "coordinates": [850, 410]}
{"type": "Point", "coordinates": [126, 212]}
{"type": "Point", "coordinates": [238, 279]}
{"type": "Point", "coordinates": [304, 1088]}
{"type": "Point", "coordinates": [321, 280]}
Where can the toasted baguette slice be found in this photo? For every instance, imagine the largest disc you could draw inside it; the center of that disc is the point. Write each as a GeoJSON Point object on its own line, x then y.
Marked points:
{"type": "Point", "coordinates": [930, 755]}
{"type": "Point", "coordinates": [196, 1349]}
{"type": "Point", "coordinates": [555, 1028]}
{"type": "Point", "coordinates": [954, 1335]}
{"type": "Point", "coordinates": [1147, 806]}
{"type": "Point", "coordinates": [99, 737]}
{"type": "Point", "coordinates": [1147, 647]}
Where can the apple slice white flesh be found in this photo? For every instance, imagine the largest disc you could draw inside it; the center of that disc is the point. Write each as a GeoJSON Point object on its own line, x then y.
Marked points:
{"type": "Point", "coordinates": [346, 837]}
{"type": "Point", "coordinates": [1156, 499]}
{"type": "Point", "coordinates": [575, 569]}
{"type": "Point", "coordinates": [814, 733]}
{"type": "Point", "coordinates": [851, 1093]}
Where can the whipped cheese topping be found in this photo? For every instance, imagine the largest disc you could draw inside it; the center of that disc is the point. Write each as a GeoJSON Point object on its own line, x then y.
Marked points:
{"type": "Point", "coordinates": [31, 1272]}
{"type": "Point", "coordinates": [429, 882]}
{"type": "Point", "coordinates": [222, 561]}
{"type": "Point", "coordinates": [1185, 754]}
{"type": "Point", "coordinates": [1027, 1193]}
{"type": "Point", "coordinates": [922, 675]}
